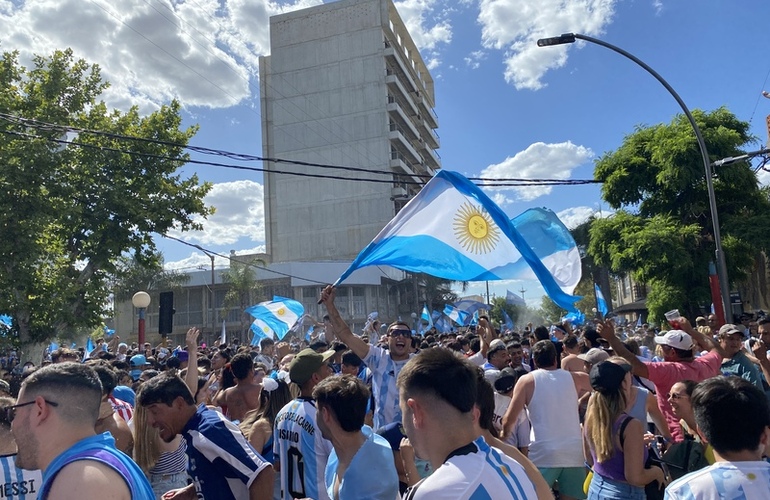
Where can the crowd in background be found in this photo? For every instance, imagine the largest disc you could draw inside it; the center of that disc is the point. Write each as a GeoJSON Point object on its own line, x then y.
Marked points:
{"type": "Point", "coordinates": [593, 412]}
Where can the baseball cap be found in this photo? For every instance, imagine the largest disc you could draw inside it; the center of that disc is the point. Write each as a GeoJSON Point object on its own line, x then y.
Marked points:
{"type": "Point", "coordinates": [505, 381]}
{"type": "Point", "coordinates": [607, 377]}
{"type": "Point", "coordinates": [306, 363]}
{"type": "Point", "coordinates": [729, 329]}
{"type": "Point", "coordinates": [594, 355]}
{"type": "Point", "coordinates": [138, 360]}
{"type": "Point", "coordinates": [675, 338]}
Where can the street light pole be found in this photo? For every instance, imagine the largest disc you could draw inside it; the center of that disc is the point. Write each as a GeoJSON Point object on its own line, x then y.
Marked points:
{"type": "Point", "coordinates": [724, 284]}
{"type": "Point", "coordinates": [141, 300]}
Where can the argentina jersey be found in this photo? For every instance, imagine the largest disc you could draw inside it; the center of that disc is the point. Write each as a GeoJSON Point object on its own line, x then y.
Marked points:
{"type": "Point", "coordinates": [475, 472]}
{"type": "Point", "coordinates": [300, 450]}
{"type": "Point", "coordinates": [18, 484]}
{"type": "Point", "coordinates": [384, 374]}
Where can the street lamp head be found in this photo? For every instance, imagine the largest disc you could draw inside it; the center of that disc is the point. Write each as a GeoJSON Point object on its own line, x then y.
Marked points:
{"type": "Point", "coordinates": [557, 40]}
{"type": "Point", "coordinates": [141, 300]}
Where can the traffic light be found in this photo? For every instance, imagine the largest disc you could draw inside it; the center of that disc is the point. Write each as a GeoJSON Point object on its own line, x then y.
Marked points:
{"type": "Point", "coordinates": [166, 313]}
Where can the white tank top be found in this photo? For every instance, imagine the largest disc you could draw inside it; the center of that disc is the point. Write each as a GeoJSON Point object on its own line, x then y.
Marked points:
{"type": "Point", "coordinates": [556, 440]}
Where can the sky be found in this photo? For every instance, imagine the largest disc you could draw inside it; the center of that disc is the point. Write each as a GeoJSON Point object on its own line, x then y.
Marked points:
{"type": "Point", "coordinates": [506, 107]}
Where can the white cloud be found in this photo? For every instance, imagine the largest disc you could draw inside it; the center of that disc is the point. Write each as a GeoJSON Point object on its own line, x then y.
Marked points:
{"type": "Point", "coordinates": [239, 214]}
{"type": "Point", "coordinates": [198, 260]}
{"type": "Point", "coordinates": [203, 53]}
{"type": "Point", "coordinates": [538, 161]}
{"type": "Point", "coordinates": [514, 26]}
{"type": "Point", "coordinates": [426, 28]}
{"type": "Point", "coordinates": [573, 217]}
{"type": "Point", "coordinates": [474, 58]}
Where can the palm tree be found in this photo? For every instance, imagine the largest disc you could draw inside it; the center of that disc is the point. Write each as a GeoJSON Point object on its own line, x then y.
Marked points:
{"type": "Point", "coordinates": [244, 289]}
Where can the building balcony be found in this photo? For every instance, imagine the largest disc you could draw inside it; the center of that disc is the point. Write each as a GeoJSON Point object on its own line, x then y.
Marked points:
{"type": "Point", "coordinates": [401, 69]}
{"type": "Point", "coordinates": [400, 94]}
{"type": "Point", "coordinates": [429, 134]}
{"type": "Point", "coordinates": [399, 142]}
{"type": "Point", "coordinates": [432, 158]}
{"type": "Point", "coordinates": [427, 110]}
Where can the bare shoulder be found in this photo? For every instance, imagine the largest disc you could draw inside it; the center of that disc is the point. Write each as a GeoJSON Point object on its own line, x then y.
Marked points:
{"type": "Point", "coordinates": [89, 479]}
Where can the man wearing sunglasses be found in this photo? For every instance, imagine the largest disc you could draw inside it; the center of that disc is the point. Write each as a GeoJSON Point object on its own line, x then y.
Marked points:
{"type": "Point", "coordinates": [16, 483]}
{"type": "Point", "coordinates": [53, 423]}
{"type": "Point", "coordinates": [385, 364]}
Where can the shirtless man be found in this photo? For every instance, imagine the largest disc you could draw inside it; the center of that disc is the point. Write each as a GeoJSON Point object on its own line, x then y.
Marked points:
{"type": "Point", "coordinates": [244, 396]}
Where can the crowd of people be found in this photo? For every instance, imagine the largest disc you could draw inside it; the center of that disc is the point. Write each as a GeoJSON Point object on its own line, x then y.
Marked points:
{"type": "Point", "coordinates": [599, 412]}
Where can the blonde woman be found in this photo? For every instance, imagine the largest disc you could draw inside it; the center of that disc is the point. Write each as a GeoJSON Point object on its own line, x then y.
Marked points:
{"type": "Point", "coordinates": [613, 441]}
{"type": "Point", "coordinates": [164, 464]}
{"type": "Point", "coordinates": [257, 425]}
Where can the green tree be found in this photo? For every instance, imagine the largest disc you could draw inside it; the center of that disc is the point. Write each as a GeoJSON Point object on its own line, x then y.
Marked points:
{"type": "Point", "coordinates": [499, 305]}
{"type": "Point", "coordinates": [68, 213]}
{"type": "Point", "coordinates": [661, 233]}
{"type": "Point", "coordinates": [550, 312]}
{"type": "Point", "coordinates": [244, 290]}
{"type": "Point", "coordinates": [132, 275]}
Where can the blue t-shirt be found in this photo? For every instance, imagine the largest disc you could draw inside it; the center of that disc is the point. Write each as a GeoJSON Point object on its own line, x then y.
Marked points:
{"type": "Point", "coordinates": [100, 448]}
{"type": "Point", "coordinates": [371, 474]}
{"type": "Point", "coordinates": [222, 463]}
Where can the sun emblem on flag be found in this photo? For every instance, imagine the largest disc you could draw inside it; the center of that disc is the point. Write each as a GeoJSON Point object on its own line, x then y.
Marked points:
{"type": "Point", "coordinates": [266, 329]}
{"type": "Point", "coordinates": [475, 230]}
{"type": "Point", "coordinates": [281, 311]}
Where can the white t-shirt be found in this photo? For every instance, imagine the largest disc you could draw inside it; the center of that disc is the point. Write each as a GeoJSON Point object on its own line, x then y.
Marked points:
{"type": "Point", "coordinates": [733, 480]}
{"type": "Point", "coordinates": [521, 429]}
{"type": "Point", "coordinates": [18, 484]}
{"type": "Point", "coordinates": [476, 470]}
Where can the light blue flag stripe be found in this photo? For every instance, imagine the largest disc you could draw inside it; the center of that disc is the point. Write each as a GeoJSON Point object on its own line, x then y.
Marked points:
{"type": "Point", "coordinates": [456, 315]}
{"type": "Point", "coordinates": [452, 230]}
{"type": "Point", "coordinates": [426, 316]}
{"type": "Point", "coordinates": [280, 314]}
{"type": "Point", "coordinates": [601, 304]}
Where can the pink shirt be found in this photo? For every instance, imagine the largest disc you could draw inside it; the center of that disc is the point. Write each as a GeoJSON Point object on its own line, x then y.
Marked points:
{"type": "Point", "coordinates": [664, 374]}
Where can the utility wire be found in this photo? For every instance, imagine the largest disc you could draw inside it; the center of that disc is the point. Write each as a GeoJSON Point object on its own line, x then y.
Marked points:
{"type": "Point", "coordinates": [45, 126]}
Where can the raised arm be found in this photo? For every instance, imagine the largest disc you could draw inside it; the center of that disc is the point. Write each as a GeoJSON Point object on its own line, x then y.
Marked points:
{"type": "Point", "coordinates": [607, 330]}
{"type": "Point", "coordinates": [191, 344]}
{"type": "Point", "coordinates": [341, 329]}
{"type": "Point", "coordinates": [704, 342]}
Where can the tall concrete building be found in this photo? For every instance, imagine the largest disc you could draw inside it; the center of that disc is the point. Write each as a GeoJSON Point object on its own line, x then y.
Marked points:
{"type": "Point", "coordinates": [344, 85]}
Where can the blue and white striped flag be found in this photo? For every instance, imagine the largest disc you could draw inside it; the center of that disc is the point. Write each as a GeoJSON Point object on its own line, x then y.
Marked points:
{"type": "Point", "coordinates": [309, 333]}
{"type": "Point", "coordinates": [425, 316]}
{"type": "Point", "coordinates": [456, 315]}
{"type": "Point", "coordinates": [89, 347]}
{"type": "Point", "coordinates": [474, 319]}
{"type": "Point", "coordinates": [508, 321]}
{"type": "Point", "coordinates": [513, 299]}
{"type": "Point", "coordinates": [452, 230]}
{"type": "Point", "coordinates": [601, 304]}
{"type": "Point", "coordinates": [280, 314]}
{"type": "Point", "coordinates": [260, 331]}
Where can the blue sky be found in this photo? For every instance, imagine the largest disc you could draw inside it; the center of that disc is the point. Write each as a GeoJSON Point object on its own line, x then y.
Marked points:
{"type": "Point", "coordinates": [505, 106]}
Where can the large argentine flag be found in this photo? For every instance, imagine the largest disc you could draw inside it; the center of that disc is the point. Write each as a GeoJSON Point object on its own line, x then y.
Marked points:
{"type": "Point", "coordinates": [452, 230]}
{"type": "Point", "coordinates": [280, 314]}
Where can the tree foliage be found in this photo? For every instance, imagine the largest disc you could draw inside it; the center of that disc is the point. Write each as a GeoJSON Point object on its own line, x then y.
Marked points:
{"type": "Point", "coordinates": [68, 213]}
{"type": "Point", "coordinates": [132, 275]}
{"type": "Point", "coordinates": [244, 289]}
{"type": "Point", "coordinates": [662, 232]}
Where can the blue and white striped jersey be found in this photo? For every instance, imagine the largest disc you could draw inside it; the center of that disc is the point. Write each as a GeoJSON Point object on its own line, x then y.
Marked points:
{"type": "Point", "coordinates": [222, 464]}
{"type": "Point", "coordinates": [301, 451]}
{"type": "Point", "coordinates": [475, 472]}
{"type": "Point", "coordinates": [384, 374]}
{"type": "Point", "coordinates": [18, 484]}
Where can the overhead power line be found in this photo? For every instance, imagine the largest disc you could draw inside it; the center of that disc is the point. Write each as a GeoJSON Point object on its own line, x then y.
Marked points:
{"type": "Point", "coordinates": [402, 178]}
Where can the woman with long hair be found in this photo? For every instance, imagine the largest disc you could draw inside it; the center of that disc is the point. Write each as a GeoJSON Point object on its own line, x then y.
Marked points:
{"type": "Point", "coordinates": [613, 440]}
{"type": "Point", "coordinates": [164, 464]}
{"type": "Point", "coordinates": [257, 425]}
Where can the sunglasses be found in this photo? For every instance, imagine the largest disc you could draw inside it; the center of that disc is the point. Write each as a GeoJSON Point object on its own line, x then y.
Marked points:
{"type": "Point", "coordinates": [400, 333]}
{"type": "Point", "coordinates": [10, 411]}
